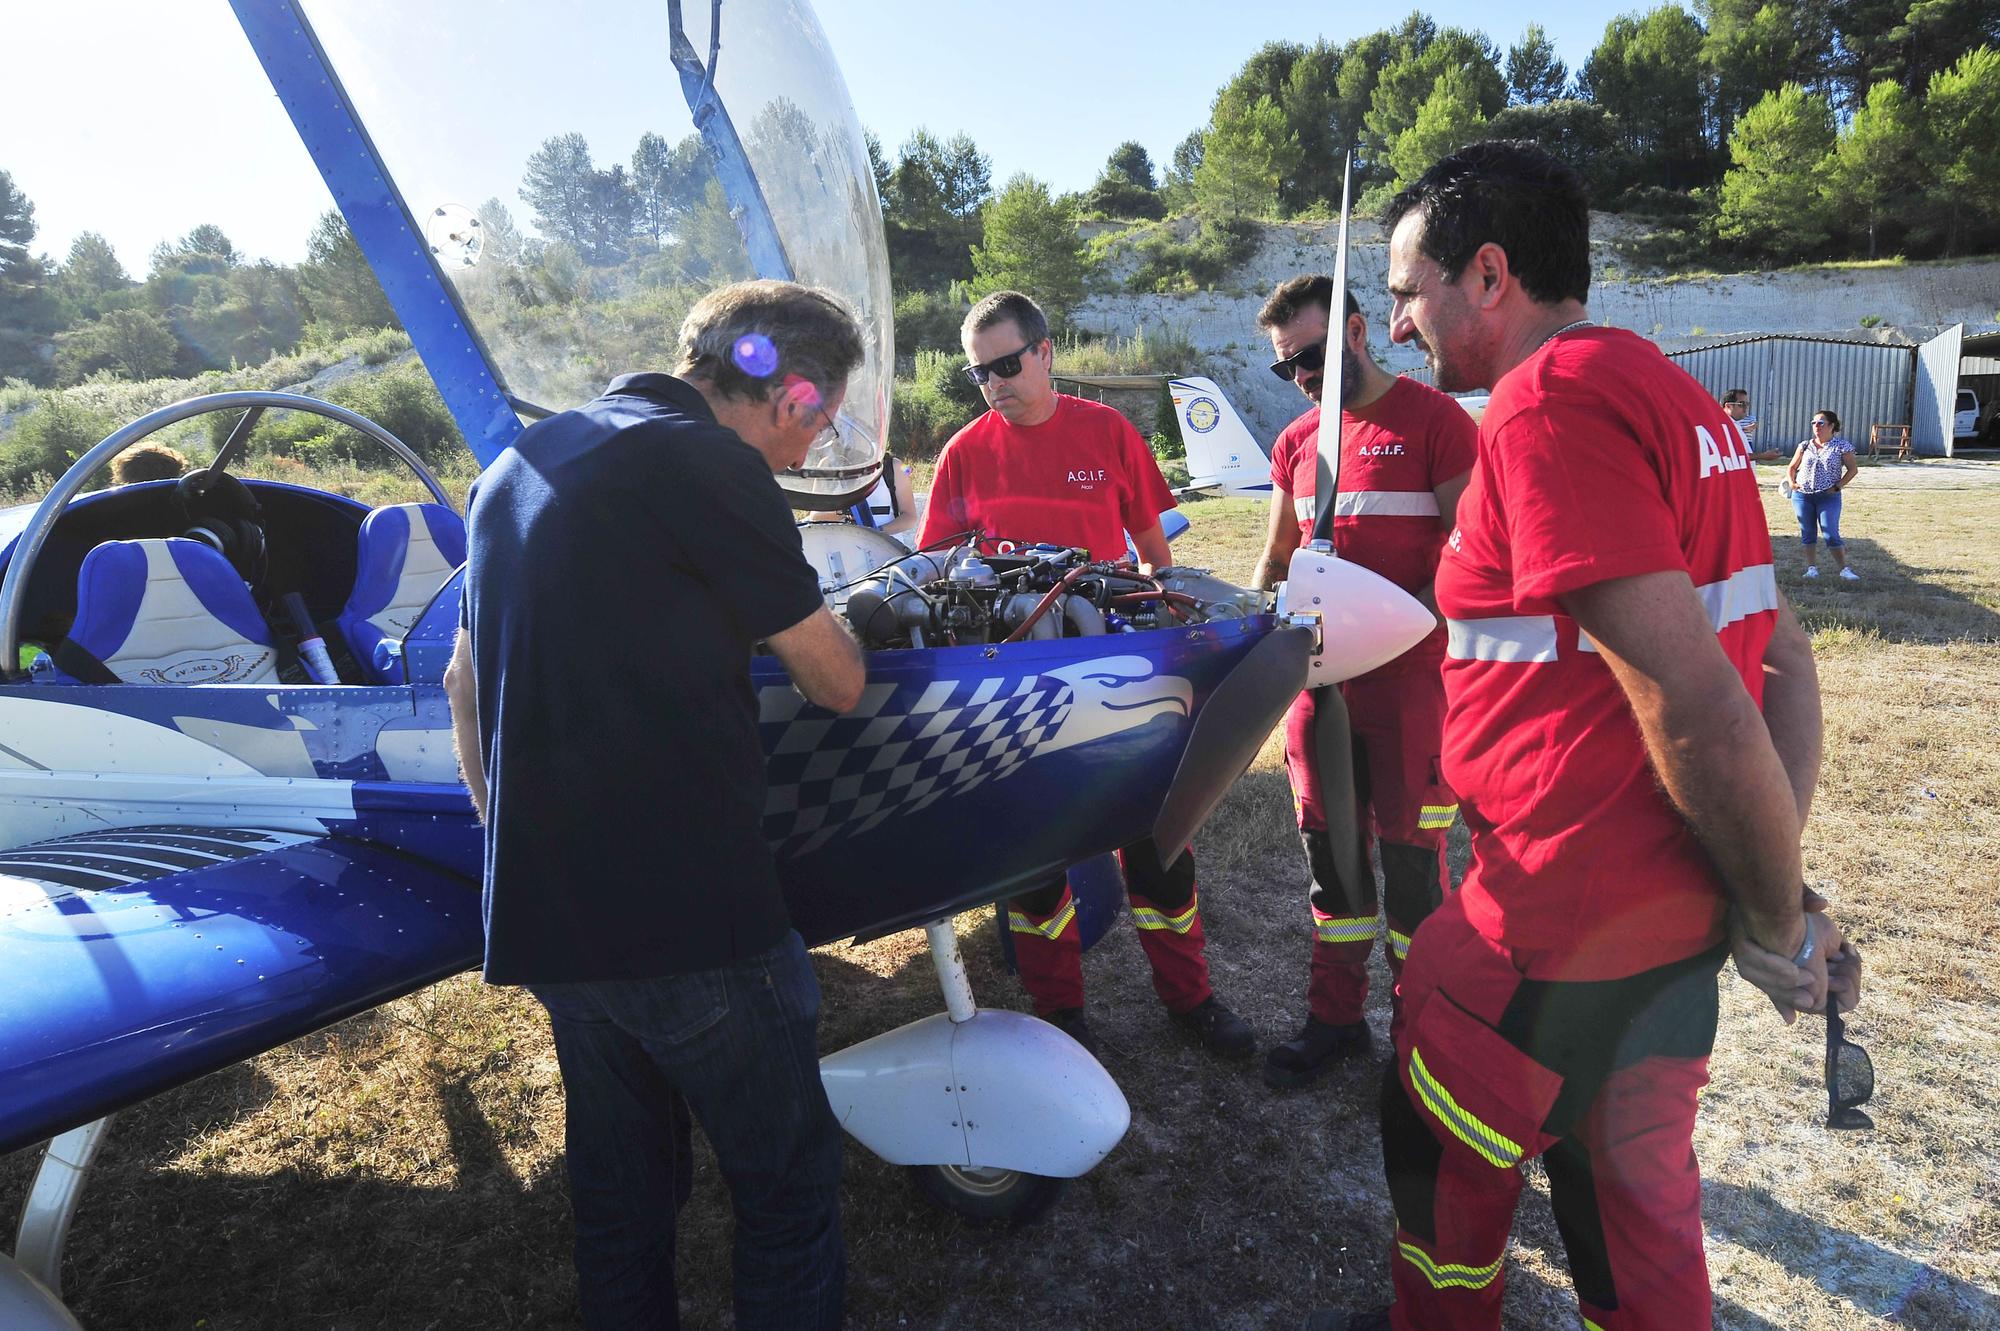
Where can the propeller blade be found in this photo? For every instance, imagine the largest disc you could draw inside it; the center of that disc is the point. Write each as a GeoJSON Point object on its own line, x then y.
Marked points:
{"type": "Point", "coordinates": [1327, 478]}
{"type": "Point", "coordinates": [1333, 752]}
{"type": "Point", "coordinates": [1230, 730]}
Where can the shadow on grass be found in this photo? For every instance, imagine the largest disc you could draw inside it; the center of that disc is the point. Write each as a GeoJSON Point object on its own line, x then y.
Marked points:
{"type": "Point", "coordinates": [1873, 1278]}
{"type": "Point", "coordinates": [1897, 601]}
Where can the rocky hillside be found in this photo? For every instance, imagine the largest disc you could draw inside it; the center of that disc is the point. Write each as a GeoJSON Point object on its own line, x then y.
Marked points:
{"type": "Point", "coordinates": [1900, 302]}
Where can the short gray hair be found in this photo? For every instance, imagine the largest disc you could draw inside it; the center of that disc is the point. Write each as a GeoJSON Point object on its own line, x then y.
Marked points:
{"type": "Point", "coordinates": [1008, 305]}
{"type": "Point", "coordinates": [813, 335]}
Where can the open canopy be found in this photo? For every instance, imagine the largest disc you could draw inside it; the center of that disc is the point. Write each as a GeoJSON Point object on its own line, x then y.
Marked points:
{"type": "Point", "coordinates": [577, 206]}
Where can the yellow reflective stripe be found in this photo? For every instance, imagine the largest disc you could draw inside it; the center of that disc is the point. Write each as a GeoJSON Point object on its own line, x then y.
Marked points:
{"type": "Point", "coordinates": [1497, 1149]}
{"type": "Point", "coordinates": [1589, 1325]}
{"type": "Point", "coordinates": [1354, 929]}
{"type": "Point", "coordinates": [1399, 944]}
{"type": "Point", "coordinates": [1148, 918]}
{"type": "Point", "coordinates": [1050, 928]}
{"type": "Point", "coordinates": [1436, 815]}
{"type": "Point", "coordinates": [1450, 1275]}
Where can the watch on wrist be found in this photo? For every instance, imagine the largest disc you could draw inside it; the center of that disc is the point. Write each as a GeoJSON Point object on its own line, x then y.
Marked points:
{"type": "Point", "coordinates": [1805, 953]}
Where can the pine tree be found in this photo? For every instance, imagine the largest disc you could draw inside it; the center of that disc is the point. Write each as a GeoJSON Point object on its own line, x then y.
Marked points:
{"type": "Point", "coordinates": [1963, 107]}
{"type": "Point", "coordinates": [1448, 120]}
{"type": "Point", "coordinates": [1773, 199]}
{"type": "Point", "coordinates": [1246, 152]}
{"type": "Point", "coordinates": [1030, 245]}
{"type": "Point", "coordinates": [1875, 175]}
{"type": "Point", "coordinates": [1534, 75]}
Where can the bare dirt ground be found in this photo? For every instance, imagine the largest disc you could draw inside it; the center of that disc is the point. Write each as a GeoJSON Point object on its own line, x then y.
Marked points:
{"type": "Point", "coordinates": [404, 1169]}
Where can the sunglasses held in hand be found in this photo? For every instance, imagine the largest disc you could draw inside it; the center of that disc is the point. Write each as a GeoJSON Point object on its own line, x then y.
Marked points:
{"type": "Point", "coordinates": [1850, 1075]}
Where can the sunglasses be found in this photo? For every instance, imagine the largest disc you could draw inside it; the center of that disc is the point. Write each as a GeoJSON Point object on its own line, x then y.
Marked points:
{"type": "Point", "coordinates": [1311, 359]}
{"type": "Point", "coordinates": [1850, 1076]}
{"type": "Point", "coordinates": [1827, 424]}
{"type": "Point", "coordinates": [1004, 367]}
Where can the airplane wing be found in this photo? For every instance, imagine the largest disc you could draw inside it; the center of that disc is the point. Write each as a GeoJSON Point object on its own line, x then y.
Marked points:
{"type": "Point", "coordinates": [141, 958]}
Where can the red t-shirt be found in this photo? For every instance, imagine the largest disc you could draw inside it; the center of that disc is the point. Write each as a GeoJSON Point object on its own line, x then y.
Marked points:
{"type": "Point", "coordinates": [1083, 477]}
{"type": "Point", "coordinates": [1598, 459]}
{"type": "Point", "coordinates": [1394, 454]}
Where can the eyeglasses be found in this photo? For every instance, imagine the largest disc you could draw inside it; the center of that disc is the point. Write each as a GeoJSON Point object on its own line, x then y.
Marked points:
{"type": "Point", "coordinates": [1004, 367]}
{"type": "Point", "coordinates": [1850, 1075]}
{"type": "Point", "coordinates": [1311, 359]}
{"type": "Point", "coordinates": [831, 434]}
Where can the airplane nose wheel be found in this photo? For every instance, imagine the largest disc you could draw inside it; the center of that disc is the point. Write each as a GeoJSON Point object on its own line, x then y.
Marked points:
{"type": "Point", "coordinates": [996, 1198]}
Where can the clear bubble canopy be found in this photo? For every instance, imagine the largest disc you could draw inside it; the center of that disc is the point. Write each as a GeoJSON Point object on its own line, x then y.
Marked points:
{"type": "Point", "coordinates": [580, 208]}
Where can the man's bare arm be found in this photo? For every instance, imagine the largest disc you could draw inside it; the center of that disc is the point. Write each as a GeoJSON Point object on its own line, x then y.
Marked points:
{"type": "Point", "coordinates": [1792, 706]}
{"type": "Point", "coordinates": [1151, 547]}
{"type": "Point", "coordinates": [1280, 540]}
{"type": "Point", "coordinates": [824, 662]}
{"type": "Point", "coordinates": [459, 691]}
{"type": "Point", "coordinates": [1709, 747]}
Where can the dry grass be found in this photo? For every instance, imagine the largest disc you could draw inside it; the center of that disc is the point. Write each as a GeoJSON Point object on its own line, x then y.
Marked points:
{"type": "Point", "coordinates": [403, 1170]}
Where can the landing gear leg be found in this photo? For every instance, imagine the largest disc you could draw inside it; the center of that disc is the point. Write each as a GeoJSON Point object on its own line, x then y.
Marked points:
{"type": "Point", "coordinates": [53, 1199]}
{"type": "Point", "coordinates": [980, 1196]}
{"type": "Point", "coordinates": [31, 1281]}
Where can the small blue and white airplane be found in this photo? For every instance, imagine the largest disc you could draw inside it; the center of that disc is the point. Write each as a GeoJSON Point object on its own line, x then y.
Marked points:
{"type": "Point", "coordinates": [229, 809]}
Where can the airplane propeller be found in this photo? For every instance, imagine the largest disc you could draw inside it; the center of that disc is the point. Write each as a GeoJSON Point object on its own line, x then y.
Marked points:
{"type": "Point", "coordinates": [1230, 730]}
{"type": "Point", "coordinates": [1333, 755]}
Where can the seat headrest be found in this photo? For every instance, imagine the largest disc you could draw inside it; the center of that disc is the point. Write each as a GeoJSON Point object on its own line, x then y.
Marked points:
{"type": "Point", "coordinates": [403, 554]}
{"type": "Point", "coordinates": [170, 611]}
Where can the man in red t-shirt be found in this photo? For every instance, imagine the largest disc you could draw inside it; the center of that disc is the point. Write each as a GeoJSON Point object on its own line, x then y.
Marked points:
{"type": "Point", "coordinates": [1633, 728]}
{"type": "Point", "coordinates": [1405, 453]}
{"type": "Point", "coordinates": [1044, 466]}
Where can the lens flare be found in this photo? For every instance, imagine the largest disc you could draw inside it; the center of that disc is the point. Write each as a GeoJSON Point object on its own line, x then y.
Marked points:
{"type": "Point", "coordinates": [755, 355]}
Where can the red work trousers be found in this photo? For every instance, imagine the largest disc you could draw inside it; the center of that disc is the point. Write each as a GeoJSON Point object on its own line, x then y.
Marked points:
{"type": "Point", "coordinates": [1403, 806]}
{"type": "Point", "coordinates": [1599, 1078]}
{"type": "Point", "coordinates": [1048, 947]}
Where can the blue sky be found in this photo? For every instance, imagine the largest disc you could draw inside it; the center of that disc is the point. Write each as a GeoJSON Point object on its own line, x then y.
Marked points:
{"type": "Point", "coordinates": [164, 119]}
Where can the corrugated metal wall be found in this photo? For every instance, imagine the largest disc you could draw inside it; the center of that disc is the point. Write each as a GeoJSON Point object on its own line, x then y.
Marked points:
{"type": "Point", "coordinates": [1790, 378]}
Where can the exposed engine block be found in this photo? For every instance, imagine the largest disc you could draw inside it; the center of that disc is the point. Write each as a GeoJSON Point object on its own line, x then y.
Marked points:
{"type": "Point", "coordinates": [959, 597]}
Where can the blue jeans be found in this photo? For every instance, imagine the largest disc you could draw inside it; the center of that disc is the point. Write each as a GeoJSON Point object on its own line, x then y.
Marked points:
{"type": "Point", "coordinates": [1818, 512]}
{"type": "Point", "coordinates": [737, 1045]}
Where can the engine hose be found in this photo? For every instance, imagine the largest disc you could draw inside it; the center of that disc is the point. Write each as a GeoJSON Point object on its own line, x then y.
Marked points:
{"type": "Point", "coordinates": [1084, 619]}
{"type": "Point", "coordinates": [1068, 579]}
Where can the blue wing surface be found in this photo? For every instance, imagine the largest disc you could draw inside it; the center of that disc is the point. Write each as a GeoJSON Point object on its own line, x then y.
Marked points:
{"type": "Point", "coordinates": [141, 958]}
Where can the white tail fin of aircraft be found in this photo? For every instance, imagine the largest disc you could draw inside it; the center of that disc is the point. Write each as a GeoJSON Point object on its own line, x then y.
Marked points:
{"type": "Point", "coordinates": [1222, 453]}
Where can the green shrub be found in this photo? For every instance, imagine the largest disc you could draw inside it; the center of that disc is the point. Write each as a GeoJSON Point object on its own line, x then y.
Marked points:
{"type": "Point", "coordinates": [930, 319]}
{"type": "Point", "coordinates": [1682, 234]}
{"type": "Point", "coordinates": [931, 406]}
{"type": "Point", "coordinates": [402, 400]}
{"type": "Point", "coordinates": [382, 346]}
{"type": "Point", "coordinates": [41, 447]}
{"type": "Point", "coordinates": [1167, 350]}
{"type": "Point", "coordinates": [1169, 264]}
{"type": "Point", "coordinates": [1870, 320]}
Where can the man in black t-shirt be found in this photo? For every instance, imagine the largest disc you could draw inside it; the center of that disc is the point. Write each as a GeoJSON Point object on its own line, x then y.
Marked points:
{"type": "Point", "coordinates": [626, 558]}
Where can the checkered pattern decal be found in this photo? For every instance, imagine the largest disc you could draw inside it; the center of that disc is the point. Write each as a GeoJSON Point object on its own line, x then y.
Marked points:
{"type": "Point", "coordinates": [841, 776]}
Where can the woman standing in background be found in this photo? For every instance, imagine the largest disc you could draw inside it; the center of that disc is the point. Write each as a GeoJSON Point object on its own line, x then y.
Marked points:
{"type": "Point", "coordinates": [1820, 470]}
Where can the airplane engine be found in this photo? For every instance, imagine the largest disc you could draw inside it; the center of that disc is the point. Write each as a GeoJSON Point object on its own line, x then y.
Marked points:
{"type": "Point", "coordinates": [960, 597]}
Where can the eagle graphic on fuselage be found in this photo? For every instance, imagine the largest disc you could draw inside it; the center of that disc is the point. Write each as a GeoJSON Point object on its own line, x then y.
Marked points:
{"type": "Point", "coordinates": [906, 747]}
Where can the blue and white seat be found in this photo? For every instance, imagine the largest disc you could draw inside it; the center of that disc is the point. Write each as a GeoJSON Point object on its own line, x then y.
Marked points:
{"type": "Point", "coordinates": [403, 555]}
{"type": "Point", "coordinates": [169, 611]}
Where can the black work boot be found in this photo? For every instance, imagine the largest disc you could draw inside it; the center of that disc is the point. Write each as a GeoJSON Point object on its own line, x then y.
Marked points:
{"type": "Point", "coordinates": [1070, 1021]}
{"type": "Point", "coordinates": [1217, 1029]}
{"type": "Point", "coordinates": [1312, 1051]}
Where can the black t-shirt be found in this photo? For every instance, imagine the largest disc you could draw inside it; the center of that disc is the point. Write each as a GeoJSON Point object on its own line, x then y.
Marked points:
{"type": "Point", "coordinates": [625, 557]}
